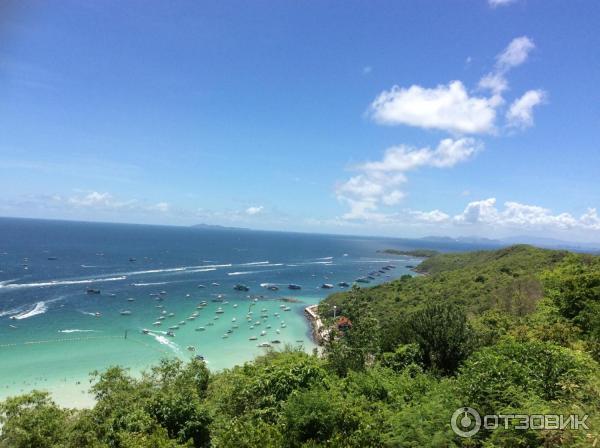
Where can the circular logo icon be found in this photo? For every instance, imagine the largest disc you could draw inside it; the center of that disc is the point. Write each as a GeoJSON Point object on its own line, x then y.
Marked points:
{"type": "Point", "coordinates": [466, 422]}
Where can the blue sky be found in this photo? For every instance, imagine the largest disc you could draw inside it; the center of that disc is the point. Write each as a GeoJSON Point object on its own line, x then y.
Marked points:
{"type": "Point", "coordinates": [395, 118]}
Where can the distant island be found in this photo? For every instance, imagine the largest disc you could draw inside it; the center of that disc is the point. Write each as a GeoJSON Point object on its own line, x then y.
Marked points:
{"type": "Point", "coordinates": [421, 253]}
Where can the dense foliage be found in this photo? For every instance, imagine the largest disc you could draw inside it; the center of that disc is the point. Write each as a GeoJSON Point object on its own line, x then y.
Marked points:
{"type": "Point", "coordinates": [514, 331]}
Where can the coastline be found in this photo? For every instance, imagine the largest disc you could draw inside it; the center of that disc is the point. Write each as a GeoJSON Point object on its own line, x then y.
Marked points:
{"type": "Point", "coordinates": [319, 333]}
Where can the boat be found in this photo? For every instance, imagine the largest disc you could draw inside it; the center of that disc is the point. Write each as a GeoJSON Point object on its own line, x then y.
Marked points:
{"type": "Point", "coordinates": [277, 331]}
{"type": "Point", "coordinates": [201, 286]}
{"type": "Point", "coordinates": [235, 305]}
{"type": "Point", "coordinates": [210, 324]}
{"type": "Point", "coordinates": [182, 322]}
{"type": "Point", "coordinates": [125, 313]}
{"type": "Point", "coordinates": [362, 280]}
{"type": "Point", "coordinates": [162, 293]}
{"type": "Point", "coordinates": [158, 323]}
{"type": "Point", "coordinates": [294, 286]}
{"type": "Point", "coordinates": [264, 345]}
{"type": "Point", "coordinates": [131, 299]}
{"type": "Point", "coordinates": [200, 329]}
{"type": "Point", "coordinates": [326, 286]}
{"type": "Point", "coordinates": [145, 331]}
{"type": "Point", "coordinates": [215, 284]}
{"type": "Point", "coordinates": [171, 314]}
{"type": "Point", "coordinates": [219, 310]}
{"type": "Point", "coordinates": [170, 333]}
{"type": "Point", "coordinates": [97, 314]}
{"type": "Point", "coordinates": [275, 341]}
{"type": "Point", "coordinates": [263, 333]}
{"type": "Point", "coordinates": [92, 291]}
{"type": "Point", "coordinates": [287, 308]}
{"type": "Point", "coordinates": [252, 338]}
{"type": "Point", "coordinates": [343, 284]}
{"type": "Point", "coordinates": [174, 327]}
{"type": "Point", "coordinates": [233, 320]}
{"type": "Point", "coordinates": [199, 358]}
{"type": "Point", "coordinates": [131, 259]}
{"type": "Point", "coordinates": [240, 287]}
{"type": "Point", "coordinates": [191, 348]}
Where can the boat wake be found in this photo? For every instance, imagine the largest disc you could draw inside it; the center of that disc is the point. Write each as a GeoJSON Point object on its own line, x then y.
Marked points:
{"type": "Point", "coordinates": [150, 284]}
{"type": "Point", "coordinates": [61, 282]}
{"type": "Point", "coordinates": [39, 308]}
{"type": "Point", "coordinates": [163, 340]}
{"type": "Point", "coordinates": [75, 330]}
{"type": "Point", "coordinates": [255, 272]}
{"type": "Point", "coordinates": [11, 312]}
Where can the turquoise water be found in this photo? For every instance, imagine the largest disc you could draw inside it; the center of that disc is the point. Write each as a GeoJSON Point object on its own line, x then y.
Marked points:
{"type": "Point", "coordinates": [53, 333]}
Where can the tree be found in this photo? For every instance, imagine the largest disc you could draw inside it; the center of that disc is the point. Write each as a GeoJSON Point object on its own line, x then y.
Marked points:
{"type": "Point", "coordinates": [32, 421]}
{"type": "Point", "coordinates": [443, 334]}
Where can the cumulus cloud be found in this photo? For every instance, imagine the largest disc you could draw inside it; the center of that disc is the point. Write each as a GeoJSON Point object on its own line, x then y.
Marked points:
{"type": "Point", "coordinates": [520, 113]}
{"type": "Point", "coordinates": [446, 107]}
{"type": "Point", "coordinates": [254, 210]}
{"type": "Point", "coordinates": [378, 182]}
{"type": "Point", "coordinates": [451, 107]}
{"type": "Point", "coordinates": [523, 216]}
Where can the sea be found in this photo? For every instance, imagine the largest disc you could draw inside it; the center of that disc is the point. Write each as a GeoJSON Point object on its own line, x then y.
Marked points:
{"type": "Point", "coordinates": [80, 297]}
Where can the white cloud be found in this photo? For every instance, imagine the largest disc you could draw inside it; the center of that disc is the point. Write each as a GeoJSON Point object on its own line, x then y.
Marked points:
{"type": "Point", "coordinates": [433, 216]}
{"type": "Point", "coordinates": [495, 3]}
{"type": "Point", "coordinates": [446, 107]}
{"type": "Point", "coordinates": [98, 200]}
{"type": "Point", "coordinates": [254, 210]}
{"type": "Point", "coordinates": [367, 69]}
{"type": "Point", "coordinates": [161, 207]}
{"type": "Point", "coordinates": [378, 182]}
{"type": "Point", "coordinates": [522, 216]}
{"type": "Point", "coordinates": [590, 219]}
{"type": "Point", "coordinates": [451, 107]}
{"type": "Point", "coordinates": [514, 54]}
{"type": "Point", "coordinates": [520, 113]}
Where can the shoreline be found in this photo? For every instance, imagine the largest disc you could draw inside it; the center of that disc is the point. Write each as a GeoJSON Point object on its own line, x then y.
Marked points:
{"type": "Point", "coordinates": [319, 332]}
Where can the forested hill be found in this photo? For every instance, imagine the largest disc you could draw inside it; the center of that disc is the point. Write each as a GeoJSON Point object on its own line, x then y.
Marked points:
{"type": "Point", "coordinates": [512, 331]}
{"type": "Point", "coordinates": [481, 280]}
